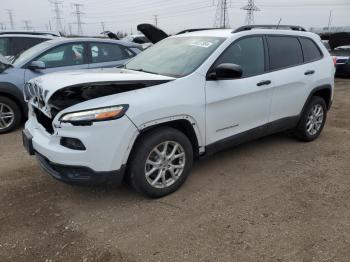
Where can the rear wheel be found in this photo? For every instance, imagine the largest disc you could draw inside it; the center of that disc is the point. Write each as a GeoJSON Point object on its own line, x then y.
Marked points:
{"type": "Point", "coordinates": [10, 115]}
{"type": "Point", "coordinates": [161, 162]}
{"type": "Point", "coordinates": [312, 120]}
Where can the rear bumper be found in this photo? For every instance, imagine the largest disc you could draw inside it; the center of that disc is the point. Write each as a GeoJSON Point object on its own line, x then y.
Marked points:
{"type": "Point", "coordinates": [343, 69]}
{"type": "Point", "coordinates": [79, 175]}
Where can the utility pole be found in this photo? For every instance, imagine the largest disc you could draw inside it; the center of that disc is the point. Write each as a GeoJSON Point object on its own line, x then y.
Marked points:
{"type": "Point", "coordinates": [156, 18]}
{"type": "Point", "coordinates": [2, 26]}
{"type": "Point", "coordinates": [27, 26]}
{"type": "Point", "coordinates": [57, 10]}
{"type": "Point", "coordinates": [78, 13]}
{"type": "Point", "coordinates": [10, 14]}
{"type": "Point", "coordinates": [250, 8]}
{"type": "Point", "coordinates": [330, 20]}
{"type": "Point", "coordinates": [70, 29]}
{"type": "Point", "coordinates": [221, 16]}
{"type": "Point", "coordinates": [103, 26]}
{"type": "Point", "coordinates": [50, 28]}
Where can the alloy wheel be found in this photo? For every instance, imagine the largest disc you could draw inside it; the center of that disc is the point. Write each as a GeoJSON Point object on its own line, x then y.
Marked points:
{"type": "Point", "coordinates": [165, 164]}
{"type": "Point", "coordinates": [7, 116]}
{"type": "Point", "coordinates": [315, 120]}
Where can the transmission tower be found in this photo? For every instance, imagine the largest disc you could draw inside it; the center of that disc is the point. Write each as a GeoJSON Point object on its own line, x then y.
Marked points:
{"type": "Point", "coordinates": [221, 17]}
{"type": "Point", "coordinates": [57, 10]}
{"type": "Point", "coordinates": [78, 13]}
{"type": "Point", "coordinates": [10, 13]}
{"type": "Point", "coordinates": [250, 8]}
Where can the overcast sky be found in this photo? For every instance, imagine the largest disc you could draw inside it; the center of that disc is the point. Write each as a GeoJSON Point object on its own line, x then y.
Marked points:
{"type": "Point", "coordinates": [173, 15]}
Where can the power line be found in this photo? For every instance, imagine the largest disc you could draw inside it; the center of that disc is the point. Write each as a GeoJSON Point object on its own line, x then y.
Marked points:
{"type": "Point", "coordinates": [78, 13]}
{"type": "Point", "coordinates": [250, 8]}
{"type": "Point", "coordinates": [221, 16]}
{"type": "Point", "coordinates": [58, 17]}
{"type": "Point", "coordinates": [10, 14]}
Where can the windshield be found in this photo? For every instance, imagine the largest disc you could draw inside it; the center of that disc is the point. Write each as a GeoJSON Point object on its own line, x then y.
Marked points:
{"type": "Point", "coordinates": [28, 54]}
{"type": "Point", "coordinates": [175, 56]}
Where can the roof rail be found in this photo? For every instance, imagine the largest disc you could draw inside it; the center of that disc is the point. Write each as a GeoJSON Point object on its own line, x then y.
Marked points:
{"type": "Point", "coordinates": [276, 27]}
{"type": "Point", "coordinates": [195, 30]}
{"type": "Point", "coordinates": [43, 33]}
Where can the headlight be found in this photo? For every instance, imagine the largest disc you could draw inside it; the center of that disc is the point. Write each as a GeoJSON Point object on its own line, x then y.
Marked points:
{"type": "Point", "coordinates": [95, 115]}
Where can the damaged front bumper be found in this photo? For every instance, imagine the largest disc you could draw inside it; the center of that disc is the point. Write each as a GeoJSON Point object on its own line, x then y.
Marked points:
{"type": "Point", "coordinates": [107, 147]}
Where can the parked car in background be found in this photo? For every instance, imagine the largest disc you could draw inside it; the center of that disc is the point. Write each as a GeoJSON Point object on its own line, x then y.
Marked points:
{"type": "Point", "coordinates": [51, 56]}
{"type": "Point", "coordinates": [189, 95]}
{"type": "Point", "coordinates": [342, 60]}
{"type": "Point", "coordinates": [138, 39]}
{"type": "Point", "coordinates": [13, 43]}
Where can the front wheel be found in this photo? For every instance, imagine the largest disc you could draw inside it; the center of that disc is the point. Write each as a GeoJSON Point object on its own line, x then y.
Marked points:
{"type": "Point", "coordinates": [313, 120]}
{"type": "Point", "coordinates": [161, 162]}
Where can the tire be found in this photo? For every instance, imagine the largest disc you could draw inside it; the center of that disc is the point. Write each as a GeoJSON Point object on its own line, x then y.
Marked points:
{"type": "Point", "coordinates": [177, 167]}
{"type": "Point", "coordinates": [304, 131]}
{"type": "Point", "coordinates": [8, 107]}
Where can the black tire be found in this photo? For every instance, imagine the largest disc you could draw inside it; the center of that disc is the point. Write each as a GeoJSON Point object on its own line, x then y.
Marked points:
{"type": "Point", "coordinates": [301, 131]}
{"type": "Point", "coordinates": [141, 152]}
{"type": "Point", "coordinates": [17, 114]}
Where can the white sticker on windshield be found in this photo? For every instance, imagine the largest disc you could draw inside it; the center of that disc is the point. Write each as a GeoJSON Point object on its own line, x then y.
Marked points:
{"type": "Point", "coordinates": [204, 44]}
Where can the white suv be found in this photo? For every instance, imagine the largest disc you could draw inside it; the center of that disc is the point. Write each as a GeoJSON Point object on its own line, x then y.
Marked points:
{"type": "Point", "coordinates": [185, 97]}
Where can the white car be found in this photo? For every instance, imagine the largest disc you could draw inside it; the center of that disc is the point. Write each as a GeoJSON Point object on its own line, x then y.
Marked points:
{"type": "Point", "coordinates": [187, 96]}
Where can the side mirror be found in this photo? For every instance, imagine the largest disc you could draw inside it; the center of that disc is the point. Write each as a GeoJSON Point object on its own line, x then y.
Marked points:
{"type": "Point", "coordinates": [226, 71]}
{"type": "Point", "coordinates": [37, 65]}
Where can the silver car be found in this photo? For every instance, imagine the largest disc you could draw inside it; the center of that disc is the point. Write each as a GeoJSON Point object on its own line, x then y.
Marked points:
{"type": "Point", "coordinates": [52, 56]}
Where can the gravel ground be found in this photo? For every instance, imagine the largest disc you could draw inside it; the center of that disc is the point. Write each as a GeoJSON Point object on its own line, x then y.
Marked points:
{"type": "Point", "coordinates": [275, 199]}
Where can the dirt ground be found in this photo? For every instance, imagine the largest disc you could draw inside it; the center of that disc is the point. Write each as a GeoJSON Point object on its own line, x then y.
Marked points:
{"type": "Point", "coordinates": [275, 199]}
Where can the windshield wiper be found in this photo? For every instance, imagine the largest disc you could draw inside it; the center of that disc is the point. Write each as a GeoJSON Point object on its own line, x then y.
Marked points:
{"type": "Point", "coordinates": [142, 70]}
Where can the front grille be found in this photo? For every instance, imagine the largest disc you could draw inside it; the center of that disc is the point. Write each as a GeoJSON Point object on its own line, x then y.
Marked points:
{"type": "Point", "coordinates": [43, 120]}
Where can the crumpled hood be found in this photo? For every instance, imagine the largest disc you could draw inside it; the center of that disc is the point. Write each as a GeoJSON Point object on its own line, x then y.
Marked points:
{"type": "Point", "coordinates": [64, 89]}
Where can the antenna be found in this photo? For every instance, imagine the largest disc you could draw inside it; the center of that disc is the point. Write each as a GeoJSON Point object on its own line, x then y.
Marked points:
{"type": "Point", "coordinates": [250, 8]}
{"type": "Point", "coordinates": [279, 22]}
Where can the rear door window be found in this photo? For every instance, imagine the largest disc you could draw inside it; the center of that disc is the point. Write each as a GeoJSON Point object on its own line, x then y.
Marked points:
{"type": "Point", "coordinates": [284, 51]}
{"type": "Point", "coordinates": [310, 50]}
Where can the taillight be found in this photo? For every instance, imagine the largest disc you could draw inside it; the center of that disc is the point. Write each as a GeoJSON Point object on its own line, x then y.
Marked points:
{"type": "Point", "coordinates": [334, 60]}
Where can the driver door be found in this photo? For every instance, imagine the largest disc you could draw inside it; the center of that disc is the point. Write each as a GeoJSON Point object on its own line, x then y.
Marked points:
{"type": "Point", "coordinates": [239, 106]}
{"type": "Point", "coordinates": [71, 56]}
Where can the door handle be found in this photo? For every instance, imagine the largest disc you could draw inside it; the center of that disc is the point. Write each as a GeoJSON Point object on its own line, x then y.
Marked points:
{"type": "Point", "coordinates": [264, 83]}
{"type": "Point", "coordinates": [310, 72]}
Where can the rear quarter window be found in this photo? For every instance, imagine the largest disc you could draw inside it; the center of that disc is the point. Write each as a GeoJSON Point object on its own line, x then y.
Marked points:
{"type": "Point", "coordinates": [310, 50]}
{"type": "Point", "coordinates": [284, 51]}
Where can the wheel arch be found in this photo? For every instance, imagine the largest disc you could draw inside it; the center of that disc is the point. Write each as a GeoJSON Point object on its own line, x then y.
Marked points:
{"type": "Point", "coordinates": [324, 91]}
{"type": "Point", "coordinates": [185, 124]}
